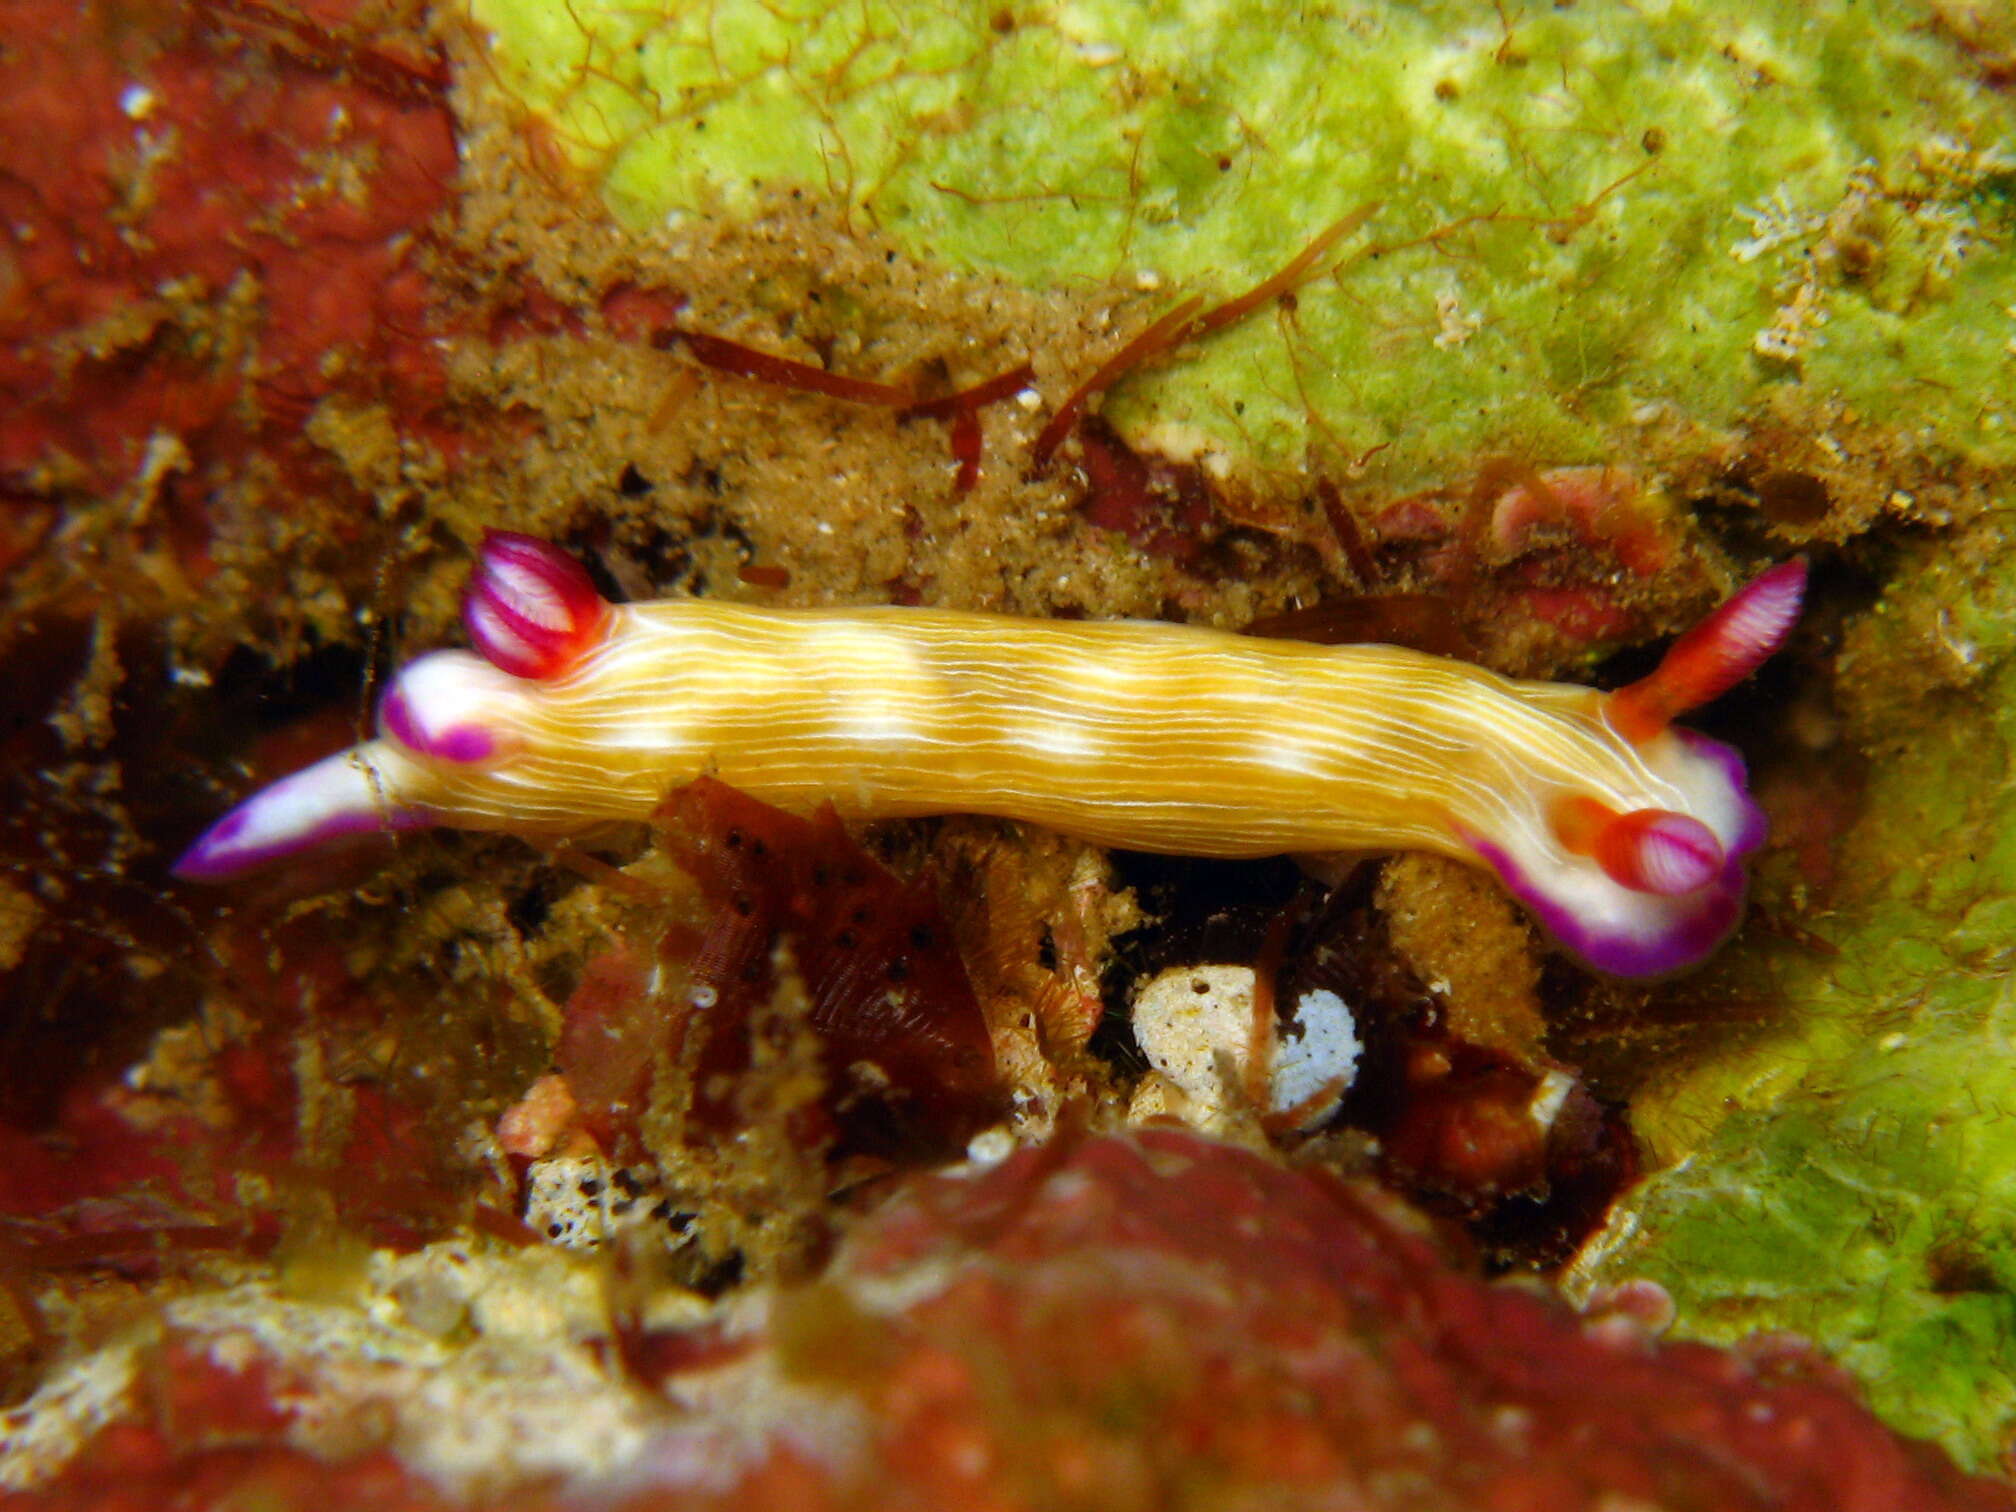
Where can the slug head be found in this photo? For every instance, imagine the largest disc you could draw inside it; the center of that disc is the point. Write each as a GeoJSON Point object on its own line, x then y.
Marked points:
{"type": "Point", "coordinates": [1654, 884]}
{"type": "Point", "coordinates": [1647, 891]}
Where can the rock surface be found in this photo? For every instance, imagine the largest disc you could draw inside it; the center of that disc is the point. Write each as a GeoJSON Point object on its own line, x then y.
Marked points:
{"type": "Point", "coordinates": [1153, 1321]}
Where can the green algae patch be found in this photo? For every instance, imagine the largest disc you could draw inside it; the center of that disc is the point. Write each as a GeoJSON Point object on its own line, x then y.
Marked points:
{"type": "Point", "coordinates": [1589, 220]}
{"type": "Point", "coordinates": [1849, 1173]}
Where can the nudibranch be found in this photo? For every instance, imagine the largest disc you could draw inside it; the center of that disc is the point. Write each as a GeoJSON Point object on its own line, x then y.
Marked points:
{"type": "Point", "coordinates": [1624, 835]}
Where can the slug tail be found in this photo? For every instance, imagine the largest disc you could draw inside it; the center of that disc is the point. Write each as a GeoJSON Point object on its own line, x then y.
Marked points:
{"type": "Point", "coordinates": [337, 796]}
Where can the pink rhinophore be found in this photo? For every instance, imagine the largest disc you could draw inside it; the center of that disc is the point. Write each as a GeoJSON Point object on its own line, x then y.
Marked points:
{"type": "Point", "coordinates": [1715, 655]}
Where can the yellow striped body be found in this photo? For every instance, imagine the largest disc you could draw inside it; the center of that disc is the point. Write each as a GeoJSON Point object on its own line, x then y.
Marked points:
{"type": "Point", "coordinates": [1625, 835]}
{"type": "Point", "coordinates": [1142, 735]}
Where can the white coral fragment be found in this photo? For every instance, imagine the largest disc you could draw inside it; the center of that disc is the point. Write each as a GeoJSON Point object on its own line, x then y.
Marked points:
{"type": "Point", "coordinates": [1196, 1026]}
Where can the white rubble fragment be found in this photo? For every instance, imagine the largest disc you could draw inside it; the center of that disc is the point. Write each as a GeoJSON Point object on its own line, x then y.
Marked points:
{"type": "Point", "coordinates": [990, 1146]}
{"type": "Point", "coordinates": [1315, 1057]}
{"type": "Point", "coordinates": [1549, 1097]}
{"type": "Point", "coordinates": [1195, 1025]}
{"type": "Point", "coordinates": [39, 1436]}
{"type": "Point", "coordinates": [580, 1201]}
{"type": "Point", "coordinates": [556, 1206]}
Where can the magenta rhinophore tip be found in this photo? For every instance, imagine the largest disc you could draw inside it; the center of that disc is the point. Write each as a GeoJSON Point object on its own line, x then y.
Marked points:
{"type": "Point", "coordinates": [530, 608]}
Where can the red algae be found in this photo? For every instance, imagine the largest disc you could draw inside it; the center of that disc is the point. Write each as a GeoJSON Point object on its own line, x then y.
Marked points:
{"type": "Point", "coordinates": [1164, 334]}
{"type": "Point", "coordinates": [227, 1138]}
{"type": "Point", "coordinates": [610, 1032]}
{"type": "Point", "coordinates": [1269, 1329]}
{"type": "Point", "coordinates": [1164, 508]}
{"type": "Point", "coordinates": [633, 313]}
{"type": "Point", "coordinates": [963, 410]}
{"type": "Point", "coordinates": [117, 1182]}
{"type": "Point", "coordinates": [1189, 321]}
{"type": "Point", "coordinates": [906, 1055]}
{"type": "Point", "coordinates": [885, 985]}
{"type": "Point", "coordinates": [129, 1468]}
{"type": "Point", "coordinates": [727, 356]}
{"type": "Point", "coordinates": [1606, 507]}
{"type": "Point", "coordinates": [226, 231]}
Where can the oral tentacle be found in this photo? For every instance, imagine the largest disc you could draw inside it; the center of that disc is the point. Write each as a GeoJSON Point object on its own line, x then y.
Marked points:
{"type": "Point", "coordinates": [1649, 850]}
{"type": "Point", "coordinates": [1715, 655]}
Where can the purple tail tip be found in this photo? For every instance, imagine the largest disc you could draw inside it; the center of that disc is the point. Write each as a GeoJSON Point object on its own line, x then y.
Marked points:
{"type": "Point", "coordinates": [337, 796]}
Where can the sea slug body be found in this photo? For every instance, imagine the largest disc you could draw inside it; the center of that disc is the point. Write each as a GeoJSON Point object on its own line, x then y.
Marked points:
{"type": "Point", "coordinates": [1625, 836]}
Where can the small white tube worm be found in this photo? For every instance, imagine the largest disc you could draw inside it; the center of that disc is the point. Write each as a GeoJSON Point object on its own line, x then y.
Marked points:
{"type": "Point", "coordinates": [1625, 836]}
